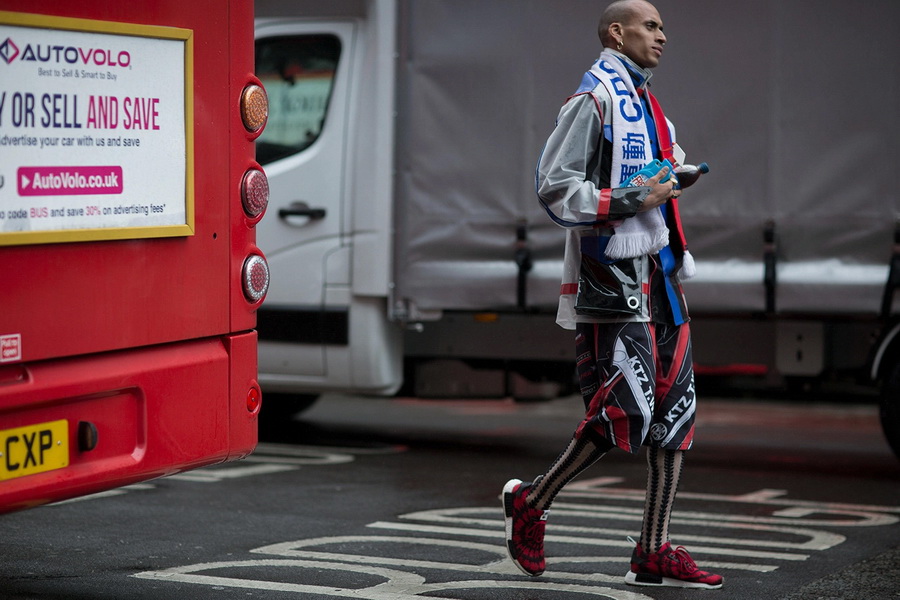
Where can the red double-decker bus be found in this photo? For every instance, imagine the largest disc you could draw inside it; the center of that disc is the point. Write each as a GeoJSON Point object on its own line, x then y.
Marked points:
{"type": "Point", "coordinates": [129, 196]}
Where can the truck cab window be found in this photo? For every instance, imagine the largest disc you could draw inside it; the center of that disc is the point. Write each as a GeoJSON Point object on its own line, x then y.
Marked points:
{"type": "Point", "coordinates": [298, 73]}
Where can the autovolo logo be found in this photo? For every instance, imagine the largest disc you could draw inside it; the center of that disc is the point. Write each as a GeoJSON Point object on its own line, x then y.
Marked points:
{"type": "Point", "coordinates": [57, 54]}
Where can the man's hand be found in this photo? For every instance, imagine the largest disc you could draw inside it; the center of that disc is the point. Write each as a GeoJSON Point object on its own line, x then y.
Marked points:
{"type": "Point", "coordinates": [659, 192]}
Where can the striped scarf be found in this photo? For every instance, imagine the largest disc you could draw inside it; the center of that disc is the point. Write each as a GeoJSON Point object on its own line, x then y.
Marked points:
{"type": "Point", "coordinates": [646, 232]}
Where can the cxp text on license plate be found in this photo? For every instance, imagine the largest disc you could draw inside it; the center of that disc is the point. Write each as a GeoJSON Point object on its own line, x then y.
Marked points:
{"type": "Point", "coordinates": [34, 449]}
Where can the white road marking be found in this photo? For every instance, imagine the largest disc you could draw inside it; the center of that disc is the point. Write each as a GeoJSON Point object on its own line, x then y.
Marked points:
{"type": "Point", "coordinates": [501, 566]}
{"type": "Point", "coordinates": [221, 474]}
{"type": "Point", "coordinates": [398, 585]}
{"type": "Point", "coordinates": [862, 514]}
{"type": "Point", "coordinates": [268, 459]}
{"type": "Point", "coordinates": [817, 539]}
{"type": "Point", "coordinates": [581, 541]}
{"type": "Point", "coordinates": [791, 531]}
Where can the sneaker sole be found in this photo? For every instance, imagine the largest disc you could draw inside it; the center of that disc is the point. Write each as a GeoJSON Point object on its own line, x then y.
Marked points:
{"type": "Point", "coordinates": [507, 500]}
{"type": "Point", "coordinates": [646, 579]}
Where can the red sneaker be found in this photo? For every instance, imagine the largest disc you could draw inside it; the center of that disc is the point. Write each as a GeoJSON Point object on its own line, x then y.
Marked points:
{"type": "Point", "coordinates": [668, 567]}
{"type": "Point", "coordinates": [524, 528]}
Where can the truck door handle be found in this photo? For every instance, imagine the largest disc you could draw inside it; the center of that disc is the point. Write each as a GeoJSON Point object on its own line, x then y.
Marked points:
{"type": "Point", "coordinates": [301, 209]}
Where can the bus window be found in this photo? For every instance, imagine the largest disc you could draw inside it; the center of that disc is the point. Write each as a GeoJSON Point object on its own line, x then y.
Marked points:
{"type": "Point", "coordinates": [298, 73]}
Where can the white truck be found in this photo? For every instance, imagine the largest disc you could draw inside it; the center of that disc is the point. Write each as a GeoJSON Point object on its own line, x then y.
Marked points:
{"type": "Point", "coordinates": [407, 246]}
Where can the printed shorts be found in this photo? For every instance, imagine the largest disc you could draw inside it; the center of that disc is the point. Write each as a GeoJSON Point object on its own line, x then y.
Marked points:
{"type": "Point", "coordinates": [637, 382]}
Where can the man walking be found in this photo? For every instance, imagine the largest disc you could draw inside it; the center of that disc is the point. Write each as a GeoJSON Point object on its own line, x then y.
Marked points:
{"type": "Point", "coordinates": [621, 293]}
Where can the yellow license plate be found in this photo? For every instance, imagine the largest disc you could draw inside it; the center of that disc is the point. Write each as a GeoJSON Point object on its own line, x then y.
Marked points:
{"type": "Point", "coordinates": [34, 449]}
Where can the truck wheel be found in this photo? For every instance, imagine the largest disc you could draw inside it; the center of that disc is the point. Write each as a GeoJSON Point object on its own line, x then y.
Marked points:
{"type": "Point", "coordinates": [890, 408]}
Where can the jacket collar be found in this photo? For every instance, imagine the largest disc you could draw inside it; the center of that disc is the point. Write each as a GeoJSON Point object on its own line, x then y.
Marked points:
{"type": "Point", "coordinates": [639, 75]}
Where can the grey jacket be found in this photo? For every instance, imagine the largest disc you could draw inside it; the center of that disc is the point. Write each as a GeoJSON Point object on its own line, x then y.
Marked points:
{"type": "Point", "coordinates": [573, 185]}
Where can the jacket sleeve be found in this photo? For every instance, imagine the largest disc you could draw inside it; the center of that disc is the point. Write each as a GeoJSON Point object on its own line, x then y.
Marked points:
{"type": "Point", "coordinates": [567, 178]}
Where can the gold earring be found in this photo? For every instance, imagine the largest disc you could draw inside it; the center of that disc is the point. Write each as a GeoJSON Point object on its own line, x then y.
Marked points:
{"type": "Point", "coordinates": [619, 46]}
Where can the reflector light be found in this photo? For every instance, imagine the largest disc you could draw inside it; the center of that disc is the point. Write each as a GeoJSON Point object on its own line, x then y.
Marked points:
{"type": "Point", "coordinates": [255, 192]}
{"type": "Point", "coordinates": [254, 108]}
{"type": "Point", "coordinates": [486, 317]}
{"type": "Point", "coordinates": [255, 277]}
{"type": "Point", "coordinates": [254, 396]}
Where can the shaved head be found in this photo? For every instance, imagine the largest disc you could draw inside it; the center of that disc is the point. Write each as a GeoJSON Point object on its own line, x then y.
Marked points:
{"type": "Point", "coordinates": [635, 29]}
{"type": "Point", "coordinates": [620, 11]}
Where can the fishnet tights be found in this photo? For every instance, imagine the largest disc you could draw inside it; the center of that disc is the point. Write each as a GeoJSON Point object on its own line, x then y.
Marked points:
{"type": "Point", "coordinates": [578, 456]}
{"type": "Point", "coordinates": [663, 474]}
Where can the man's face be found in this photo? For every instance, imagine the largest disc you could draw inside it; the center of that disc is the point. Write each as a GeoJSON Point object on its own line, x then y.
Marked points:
{"type": "Point", "coordinates": [642, 36]}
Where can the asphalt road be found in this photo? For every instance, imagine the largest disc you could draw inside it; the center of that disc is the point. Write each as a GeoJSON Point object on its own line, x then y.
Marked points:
{"type": "Point", "coordinates": [398, 499]}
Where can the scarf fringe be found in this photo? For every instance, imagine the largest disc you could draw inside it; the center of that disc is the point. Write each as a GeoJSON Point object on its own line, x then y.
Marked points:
{"type": "Point", "coordinates": [688, 268]}
{"type": "Point", "coordinates": [638, 242]}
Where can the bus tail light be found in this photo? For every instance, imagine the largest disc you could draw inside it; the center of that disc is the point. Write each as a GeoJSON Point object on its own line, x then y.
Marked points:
{"type": "Point", "coordinates": [254, 399]}
{"type": "Point", "coordinates": [255, 277]}
{"type": "Point", "coordinates": [255, 192]}
{"type": "Point", "coordinates": [254, 108]}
